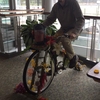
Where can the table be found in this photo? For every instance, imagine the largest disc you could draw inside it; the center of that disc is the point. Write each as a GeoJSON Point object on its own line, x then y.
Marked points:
{"type": "Point", "coordinates": [93, 75]}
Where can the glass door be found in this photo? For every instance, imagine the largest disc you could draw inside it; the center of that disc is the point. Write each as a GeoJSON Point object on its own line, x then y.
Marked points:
{"type": "Point", "coordinates": [34, 4]}
{"type": "Point", "coordinates": [20, 4]}
{"type": "Point", "coordinates": [4, 4]}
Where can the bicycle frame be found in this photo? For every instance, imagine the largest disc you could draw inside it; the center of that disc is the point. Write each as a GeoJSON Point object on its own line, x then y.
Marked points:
{"type": "Point", "coordinates": [53, 54]}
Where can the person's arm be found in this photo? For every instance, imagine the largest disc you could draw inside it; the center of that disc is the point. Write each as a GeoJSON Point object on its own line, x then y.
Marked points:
{"type": "Point", "coordinates": [80, 20]}
{"type": "Point", "coordinates": [51, 18]}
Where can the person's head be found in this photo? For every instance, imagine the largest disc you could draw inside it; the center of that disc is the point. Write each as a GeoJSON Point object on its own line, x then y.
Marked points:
{"type": "Point", "coordinates": [62, 2]}
{"type": "Point", "coordinates": [39, 27]}
{"type": "Point", "coordinates": [39, 33]}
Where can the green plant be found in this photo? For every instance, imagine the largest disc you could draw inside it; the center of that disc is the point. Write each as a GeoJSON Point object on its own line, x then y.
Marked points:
{"type": "Point", "coordinates": [26, 31]}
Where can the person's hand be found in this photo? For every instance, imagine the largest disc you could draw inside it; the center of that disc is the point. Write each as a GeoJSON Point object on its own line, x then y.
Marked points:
{"type": "Point", "coordinates": [55, 36]}
{"type": "Point", "coordinates": [72, 36]}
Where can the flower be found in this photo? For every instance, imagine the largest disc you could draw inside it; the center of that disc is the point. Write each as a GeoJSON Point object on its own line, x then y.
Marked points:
{"type": "Point", "coordinates": [79, 66]}
{"type": "Point", "coordinates": [33, 63]}
{"type": "Point", "coordinates": [29, 82]}
{"type": "Point", "coordinates": [57, 47]}
{"type": "Point", "coordinates": [47, 70]}
{"type": "Point", "coordinates": [33, 88]}
{"type": "Point", "coordinates": [64, 51]}
{"type": "Point", "coordinates": [50, 40]}
{"type": "Point", "coordinates": [27, 59]}
{"type": "Point", "coordinates": [43, 80]}
{"type": "Point", "coordinates": [30, 71]}
{"type": "Point", "coordinates": [42, 98]}
{"type": "Point", "coordinates": [45, 65]}
{"type": "Point", "coordinates": [20, 88]}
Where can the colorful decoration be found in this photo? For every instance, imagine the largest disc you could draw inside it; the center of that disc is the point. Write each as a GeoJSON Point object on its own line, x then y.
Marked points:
{"type": "Point", "coordinates": [42, 81]}
{"type": "Point", "coordinates": [30, 71]}
{"type": "Point", "coordinates": [44, 65]}
{"type": "Point", "coordinates": [20, 88]}
{"type": "Point", "coordinates": [29, 82]}
{"type": "Point", "coordinates": [50, 40]}
{"type": "Point", "coordinates": [33, 50]}
{"type": "Point", "coordinates": [79, 66]}
{"type": "Point", "coordinates": [33, 64]}
{"type": "Point", "coordinates": [63, 51]}
{"type": "Point", "coordinates": [33, 88]}
{"type": "Point", "coordinates": [66, 62]}
{"type": "Point", "coordinates": [47, 70]}
{"type": "Point", "coordinates": [26, 59]}
{"type": "Point", "coordinates": [57, 47]}
{"type": "Point", "coordinates": [42, 98]}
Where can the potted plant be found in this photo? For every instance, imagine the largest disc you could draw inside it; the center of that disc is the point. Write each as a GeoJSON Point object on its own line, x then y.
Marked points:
{"type": "Point", "coordinates": [27, 35]}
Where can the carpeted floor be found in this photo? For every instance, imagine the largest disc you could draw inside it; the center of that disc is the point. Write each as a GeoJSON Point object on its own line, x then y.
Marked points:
{"type": "Point", "coordinates": [70, 85]}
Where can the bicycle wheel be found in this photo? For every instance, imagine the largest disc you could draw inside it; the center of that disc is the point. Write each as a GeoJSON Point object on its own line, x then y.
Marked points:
{"type": "Point", "coordinates": [38, 73]}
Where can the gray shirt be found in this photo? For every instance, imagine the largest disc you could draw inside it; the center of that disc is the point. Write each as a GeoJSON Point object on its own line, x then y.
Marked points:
{"type": "Point", "coordinates": [70, 16]}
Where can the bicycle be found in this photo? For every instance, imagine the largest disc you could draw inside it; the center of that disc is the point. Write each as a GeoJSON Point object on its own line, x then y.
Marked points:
{"type": "Point", "coordinates": [40, 70]}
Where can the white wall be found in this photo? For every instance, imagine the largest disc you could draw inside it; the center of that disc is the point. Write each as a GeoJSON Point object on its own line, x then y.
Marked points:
{"type": "Point", "coordinates": [48, 4]}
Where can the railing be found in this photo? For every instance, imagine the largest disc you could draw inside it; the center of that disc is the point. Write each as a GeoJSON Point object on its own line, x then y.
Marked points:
{"type": "Point", "coordinates": [10, 22]}
{"type": "Point", "coordinates": [87, 44]}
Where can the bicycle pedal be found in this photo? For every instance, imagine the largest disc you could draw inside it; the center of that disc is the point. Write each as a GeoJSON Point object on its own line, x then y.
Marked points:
{"type": "Point", "coordinates": [49, 73]}
{"type": "Point", "coordinates": [60, 71]}
{"type": "Point", "coordinates": [62, 68]}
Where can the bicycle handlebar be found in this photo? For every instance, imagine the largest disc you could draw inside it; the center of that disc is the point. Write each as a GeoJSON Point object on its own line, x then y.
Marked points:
{"type": "Point", "coordinates": [67, 35]}
{"type": "Point", "coordinates": [64, 35]}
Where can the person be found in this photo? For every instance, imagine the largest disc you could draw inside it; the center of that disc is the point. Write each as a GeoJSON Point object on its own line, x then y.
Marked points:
{"type": "Point", "coordinates": [71, 19]}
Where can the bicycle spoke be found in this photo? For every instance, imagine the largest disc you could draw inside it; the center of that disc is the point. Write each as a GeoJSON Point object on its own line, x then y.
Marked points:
{"type": "Point", "coordinates": [38, 73]}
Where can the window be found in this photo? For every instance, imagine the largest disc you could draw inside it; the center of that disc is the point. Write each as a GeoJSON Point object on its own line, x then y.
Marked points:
{"type": "Point", "coordinates": [4, 4]}
{"type": "Point", "coordinates": [35, 4]}
{"type": "Point", "coordinates": [20, 4]}
{"type": "Point", "coordinates": [90, 7]}
{"type": "Point", "coordinates": [88, 43]}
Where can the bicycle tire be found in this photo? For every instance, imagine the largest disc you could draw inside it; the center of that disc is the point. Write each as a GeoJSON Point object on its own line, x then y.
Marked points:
{"type": "Point", "coordinates": [33, 79]}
